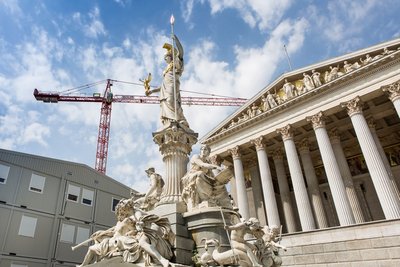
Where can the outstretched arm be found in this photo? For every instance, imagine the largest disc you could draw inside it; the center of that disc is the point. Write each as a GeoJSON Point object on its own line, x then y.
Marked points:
{"type": "Point", "coordinates": [196, 159]}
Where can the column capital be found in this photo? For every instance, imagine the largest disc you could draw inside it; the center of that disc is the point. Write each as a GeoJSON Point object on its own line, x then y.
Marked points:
{"type": "Point", "coordinates": [393, 90]}
{"type": "Point", "coordinates": [258, 143]}
{"type": "Point", "coordinates": [371, 122]}
{"type": "Point", "coordinates": [286, 132]}
{"type": "Point", "coordinates": [277, 154]}
{"type": "Point", "coordinates": [216, 160]}
{"type": "Point", "coordinates": [334, 135]}
{"type": "Point", "coordinates": [318, 120]}
{"type": "Point", "coordinates": [353, 106]}
{"type": "Point", "coordinates": [303, 145]}
{"type": "Point", "coordinates": [235, 152]}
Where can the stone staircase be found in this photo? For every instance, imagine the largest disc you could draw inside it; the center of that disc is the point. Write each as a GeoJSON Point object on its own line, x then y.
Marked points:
{"type": "Point", "coordinates": [370, 244]}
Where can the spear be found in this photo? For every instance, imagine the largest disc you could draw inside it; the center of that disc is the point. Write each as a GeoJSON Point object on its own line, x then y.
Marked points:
{"type": "Point", "coordinates": [172, 21]}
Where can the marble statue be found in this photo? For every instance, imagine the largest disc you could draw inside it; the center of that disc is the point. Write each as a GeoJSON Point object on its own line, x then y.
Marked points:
{"type": "Point", "coordinates": [255, 110]}
{"type": "Point", "coordinates": [264, 104]}
{"type": "Point", "coordinates": [170, 98]}
{"type": "Point", "coordinates": [316, 78]}
{"type": "Point", "coordinates": [268, 246]}
{"type": "Point", "coordinates": [332, 74]}
{"type": "Point", "coordinates": [263, 251]}
{"type": "Point", "coordinates": [138, 237]}
{"type": "Point", "coordinates": [242, 252]}
{"type": "Point", "coordinates": [367, 60]}
{"type": "Point", "coordinates": [350, 67]}
{"type": "Point", "coordinates": [152, 197]}
{"type": "Point", "coordinates": [288, 88]}
{"type": "Point", "coordinates": [271, 100]}
{"type": "Point", "coordinates": [249, 113]}
{"type": "Point", "coordinates": [232, 124]}
{"type": "Point", "coordinates": [308, 82]}
{"type": "Point", "coordinates": [204, 184]}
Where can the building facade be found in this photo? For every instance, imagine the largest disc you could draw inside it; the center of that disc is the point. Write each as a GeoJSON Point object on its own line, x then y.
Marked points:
{"type": "Point", "coordinates": [318, 151]}
{"type": "Point", "coordinates": [320, 146]}
{"type": "Point", "coordinates": [48, 205]}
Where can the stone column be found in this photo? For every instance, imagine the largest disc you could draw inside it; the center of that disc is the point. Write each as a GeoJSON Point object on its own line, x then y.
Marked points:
{"type": "Point", "coordinates": [383, 184]}
{"type": "Point", "coordinates": [313, 185]}
{"type": "Point", "coordinates": [175, 145]}
{"type": "Point", "coordinates": [299, 186]}
{"type": "Point", "coordinates": [394, 94]}
{"type": "Point", "coordinates": [284, 191]}
{"type": "Point", "coordinates": [346, 175]}
{"type": "Point", "coordinates": [266, 183]}
{"type": "Point", "coordinates": [371, 125]}
{"type": "Point", "coordinates": [240, 183]}
{"type": "Point", "coordinates": [258, 196]}
{"type": "Point", "coordinates": [332, 171]}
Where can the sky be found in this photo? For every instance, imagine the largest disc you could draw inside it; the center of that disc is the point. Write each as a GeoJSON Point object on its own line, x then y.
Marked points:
{"type": "Point", "coordinates": [232, 47]}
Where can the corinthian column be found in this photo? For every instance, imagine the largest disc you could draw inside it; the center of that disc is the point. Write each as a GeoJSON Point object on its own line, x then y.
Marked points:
{"type": "Point", "coordinates": [371, 125]}
{"type": "Point", "coordinates": [394, 94]}
{"type": "Point", "coordinates": [313, 185]}
{"type": "Point", "coordinates": [332, 171]}
{"type": "Point", "coordinates": [383, 184]}
{"type": "Point", "coordinates": [284, 191]}
{"type": "Point", "coordinates": [175, 144]}
{"type": "Point", "coordinates": [266, 183]}
{"type": "Point", "coordinates": [299, 187]}
{"type": "Point", "coordinates": [346, 175]}
{"type": "Point", "coordinates": [240, 183]}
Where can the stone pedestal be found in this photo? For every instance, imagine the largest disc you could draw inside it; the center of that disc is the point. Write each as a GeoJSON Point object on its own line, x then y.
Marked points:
{"type": "Point", "coordinates": [208, 223]}
{"type": "Point", "coordinates": [184, 245]}
{"type": "Point", "coordinates": [175, 144]}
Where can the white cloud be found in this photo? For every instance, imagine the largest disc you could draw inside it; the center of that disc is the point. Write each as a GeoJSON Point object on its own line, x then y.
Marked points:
{"type": "Point", "coordinates": [254, 69]}
{"type": "Point", "coordinates": [35, 133]}
{"type": "Point", "coordinates": [264, 14]}
{"type": "Point", "coordinates": [340, 23]}
{"type": "Point", "coordinates": [13, 7]}
{"type": "Point", "coordinates": [95, 27]}
{"type": "Point", "coordinates": [91, 25]}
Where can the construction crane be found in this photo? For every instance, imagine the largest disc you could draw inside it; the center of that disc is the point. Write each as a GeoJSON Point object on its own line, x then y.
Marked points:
{"type": "Point", "coordinates": [106, 103]}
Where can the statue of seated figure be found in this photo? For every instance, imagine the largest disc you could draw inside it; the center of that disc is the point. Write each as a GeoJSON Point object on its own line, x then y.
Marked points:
{"type": "Point", "coordinates": [205, 182]}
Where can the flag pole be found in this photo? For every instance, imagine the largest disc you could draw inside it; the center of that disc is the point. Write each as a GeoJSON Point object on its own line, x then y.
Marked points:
{"type": "Point", "coordinates": [172, 21]}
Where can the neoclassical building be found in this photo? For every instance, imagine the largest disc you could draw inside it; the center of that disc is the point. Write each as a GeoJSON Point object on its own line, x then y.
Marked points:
{"type": "Point", "coordinates": [320, 146]}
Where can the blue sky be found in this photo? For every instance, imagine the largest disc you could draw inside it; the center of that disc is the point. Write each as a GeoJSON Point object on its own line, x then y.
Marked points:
{"type": "Point", "coordinates": [232, 48]}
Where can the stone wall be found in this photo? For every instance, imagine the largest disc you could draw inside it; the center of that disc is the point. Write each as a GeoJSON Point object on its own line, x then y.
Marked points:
{"type": "Point", "coordinates": [370, 244]}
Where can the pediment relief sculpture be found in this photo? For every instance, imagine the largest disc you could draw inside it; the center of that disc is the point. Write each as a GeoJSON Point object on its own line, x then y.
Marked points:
{"type": "Point", "coordinates": [311, 80]}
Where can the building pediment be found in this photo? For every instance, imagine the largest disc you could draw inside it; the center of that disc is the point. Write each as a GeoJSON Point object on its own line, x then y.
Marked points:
{"type": "Point", "coordinates": [301, 84]}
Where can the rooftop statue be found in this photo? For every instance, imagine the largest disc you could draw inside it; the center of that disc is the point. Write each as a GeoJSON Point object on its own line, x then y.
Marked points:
{"type": "Point", "coordinates": [204, 183]}
{"type": "Point", "coordinates": [169, 91]}
{"type": "Point", "coordinates": [137, 237]}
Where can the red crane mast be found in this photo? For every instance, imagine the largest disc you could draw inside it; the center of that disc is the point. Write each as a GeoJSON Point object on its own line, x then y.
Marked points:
{"type": "Point", "coordinates": [106, 105]}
